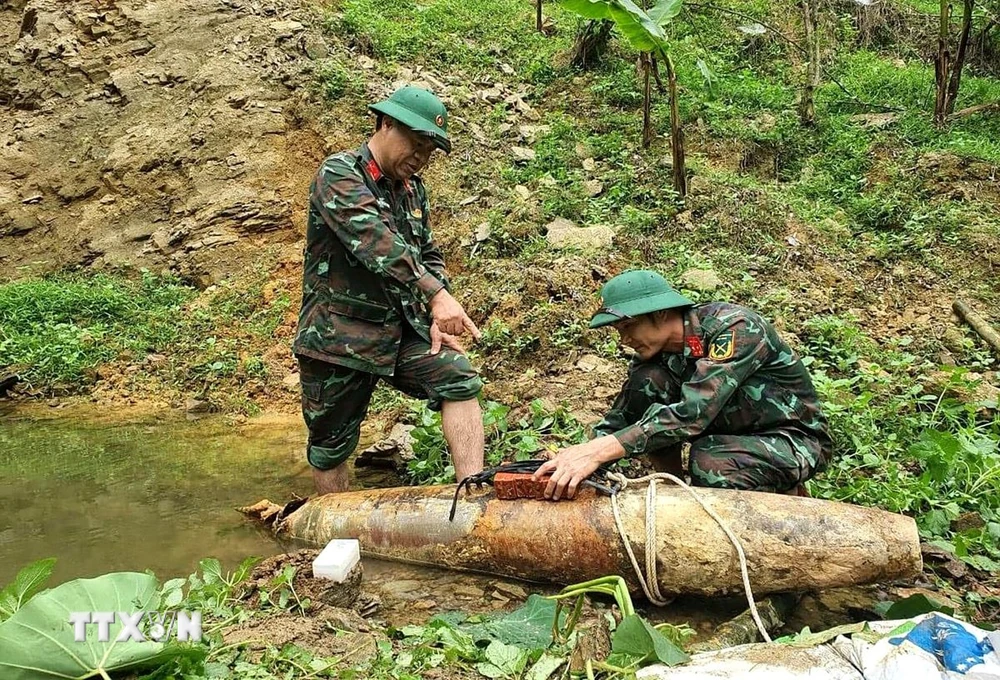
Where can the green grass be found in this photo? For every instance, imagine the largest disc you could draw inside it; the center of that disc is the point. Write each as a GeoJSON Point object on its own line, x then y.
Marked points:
{"type": "Point", "coordinates": [57, 332]}
{"type": "Point", "coordinates": [910, 87]}
{"type": "Point", "coordinates": [57, 329]}
{"type": "Point", "coordinates": [475, 34]}
{"type": "Point", "coordinates": [506, 440]}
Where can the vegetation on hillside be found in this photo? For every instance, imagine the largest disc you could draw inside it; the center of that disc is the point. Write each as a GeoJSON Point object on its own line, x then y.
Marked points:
{"type": "Point", "coordinates": [853, 233]}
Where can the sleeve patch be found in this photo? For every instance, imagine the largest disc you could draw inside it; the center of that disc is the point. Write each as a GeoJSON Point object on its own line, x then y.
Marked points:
{"type": "Point", "coordinates": [723, 346]}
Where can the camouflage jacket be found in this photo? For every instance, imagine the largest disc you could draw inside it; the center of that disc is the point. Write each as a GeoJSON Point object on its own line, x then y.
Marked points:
{"type": "Point", "coordinates": [735, 376]}
{"type": "Point", "coordinates": [370, 264]}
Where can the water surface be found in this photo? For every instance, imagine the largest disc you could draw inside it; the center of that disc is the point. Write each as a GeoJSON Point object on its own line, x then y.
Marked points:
{"type": "Point", "coordinates": [155, 493]}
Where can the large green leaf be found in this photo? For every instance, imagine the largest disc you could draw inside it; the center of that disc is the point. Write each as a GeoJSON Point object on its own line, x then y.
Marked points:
{"type": "Point", "coordinates": [503, 661]}
{"type": "Point", "coordinates": [663, 11]}
{"type": "Point", "coordinates": [642, 32]}
{"type": "Point", "coordinates": [636, 638]}
{"type": "Point", "coordinates": [529, 627]}
{"type": "Point", "coordinates": [27, 582]}
{"type": "Point", "coordinates": [37, 642]}
{"type": "Point", "coordinates": [915, 605]}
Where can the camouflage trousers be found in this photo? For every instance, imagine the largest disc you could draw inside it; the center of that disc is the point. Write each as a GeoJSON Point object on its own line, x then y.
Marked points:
{"type": "Point", "coordinates": [774, 460]}
{"type": "Point", "coordinates": [335, 398]}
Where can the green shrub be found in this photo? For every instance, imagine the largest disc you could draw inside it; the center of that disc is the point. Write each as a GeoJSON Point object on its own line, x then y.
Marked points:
{"type": "Point", "coordinates": [56, 329]}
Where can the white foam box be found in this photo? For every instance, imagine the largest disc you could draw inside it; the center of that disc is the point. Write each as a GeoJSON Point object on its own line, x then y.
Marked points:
{"type": "Point", "coordinates": [337, 559]}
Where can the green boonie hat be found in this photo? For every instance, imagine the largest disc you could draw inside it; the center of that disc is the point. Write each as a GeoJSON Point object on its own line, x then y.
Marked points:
{"type": "Point", "coordinates": [634, 293]}
{"type": "Point", "coordinates": [419, 110]}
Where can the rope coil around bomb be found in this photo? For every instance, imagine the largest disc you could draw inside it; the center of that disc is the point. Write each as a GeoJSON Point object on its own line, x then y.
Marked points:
{"type": "Point", "coordinates": [648, 580]}
{"type": "Point", "coordinates": [610, 483]}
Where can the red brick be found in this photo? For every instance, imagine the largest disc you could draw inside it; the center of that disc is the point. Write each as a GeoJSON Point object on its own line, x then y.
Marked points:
{"type": "Point", "coordinates": [511, 485]}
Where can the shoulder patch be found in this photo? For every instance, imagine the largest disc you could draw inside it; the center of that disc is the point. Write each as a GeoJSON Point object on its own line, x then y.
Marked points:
{"type": "Point", "coordinates": [723, 346]}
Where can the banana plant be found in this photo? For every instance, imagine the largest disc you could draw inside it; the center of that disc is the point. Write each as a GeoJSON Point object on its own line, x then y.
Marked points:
{"type": "Point", "coordinates": [644, 31]}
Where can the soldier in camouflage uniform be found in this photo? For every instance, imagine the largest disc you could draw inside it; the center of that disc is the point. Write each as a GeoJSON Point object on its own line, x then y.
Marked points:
{"type": "Point", "coordinates": [716, 375]}
{"type": "Point", "coordinates": [376, 302]}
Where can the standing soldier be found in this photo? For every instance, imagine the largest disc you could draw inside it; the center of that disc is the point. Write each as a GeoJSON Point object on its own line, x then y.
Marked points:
{"type": "Point", "coordinates": [376, 300]}
{"type": "Point", "coordinates": [716, 375]}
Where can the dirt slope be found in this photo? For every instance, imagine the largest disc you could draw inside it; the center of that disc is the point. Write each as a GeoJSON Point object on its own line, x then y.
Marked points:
{"type": "Point", "coordinates": [159, 133]}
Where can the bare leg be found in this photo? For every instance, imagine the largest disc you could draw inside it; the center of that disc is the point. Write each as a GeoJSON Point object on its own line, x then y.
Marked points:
{"type": "Point", "coordinates": [333, 480]}
{"type": "Point", "coordinates": [462, 423]}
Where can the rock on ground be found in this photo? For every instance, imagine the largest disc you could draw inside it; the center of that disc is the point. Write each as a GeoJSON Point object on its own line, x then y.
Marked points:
{"type": "Point", "coordinates": [561, 233]}
{"type": "Point", "coordinates": [702, 280]}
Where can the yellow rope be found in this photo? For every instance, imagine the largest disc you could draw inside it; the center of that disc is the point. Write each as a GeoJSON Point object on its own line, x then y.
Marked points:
{"type": "Point", "coordinates": [649, 581]}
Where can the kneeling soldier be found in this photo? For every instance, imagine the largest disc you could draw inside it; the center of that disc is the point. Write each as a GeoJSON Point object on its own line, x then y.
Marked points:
{"type": "Point", "coordinates": [716, 375]}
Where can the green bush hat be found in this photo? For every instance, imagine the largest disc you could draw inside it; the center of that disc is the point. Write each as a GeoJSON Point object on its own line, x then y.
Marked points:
{"type": "Point", "coordinates": [634, 293]}
{"type": "Point", "coordinates": [419, 110]}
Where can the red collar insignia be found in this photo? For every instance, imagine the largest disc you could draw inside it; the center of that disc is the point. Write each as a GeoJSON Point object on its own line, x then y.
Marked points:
{"type": "Point", "coordinates": [376, 174]}
{"type": "Point", "coordinates": [694, 344]}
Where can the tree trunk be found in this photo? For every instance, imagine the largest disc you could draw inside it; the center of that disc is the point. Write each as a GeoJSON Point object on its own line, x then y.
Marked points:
{"type": "Point", "coordinates": [676, 133]}
{"type": "Point", "coordinates": [942, 67]}
{"type": "Point", "coordinates": [647, 123]}
{"type": "Point", "coordinates": [963, 45]}
{"type": "Point", "coordinates": [984, 35]}
{"type": "Point", "coordinates": [538, 15]}
{"type": "Point", "coordinates": [656, 76]}
{"type": "Point", "coordinates": [591, 42]}
{"type": "Point", "coordinates": [807, 107]}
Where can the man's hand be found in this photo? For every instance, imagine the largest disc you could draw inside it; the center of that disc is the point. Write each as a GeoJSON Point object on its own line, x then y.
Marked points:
{"type": "Point", "coordinates": [449, 315]}
{"type": "Point", "coordinates": [439, 338]}
{"type": "Point", "coordinates": [574, 464]}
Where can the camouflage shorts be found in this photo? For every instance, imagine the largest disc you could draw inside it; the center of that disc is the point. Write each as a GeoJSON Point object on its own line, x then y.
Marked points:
{"type": "Point", "coordinates": [335, 398]}
{"type": "Point", "coordinates": [766, 461]}
{"type": "Point", "coordinates": [774, 460]}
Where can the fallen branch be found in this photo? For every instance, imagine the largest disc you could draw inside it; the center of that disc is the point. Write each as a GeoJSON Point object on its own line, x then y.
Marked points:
{"type": "Point", "coordinates": [978, 324]}
{"type": "Point", "coordinates": [978, 108]}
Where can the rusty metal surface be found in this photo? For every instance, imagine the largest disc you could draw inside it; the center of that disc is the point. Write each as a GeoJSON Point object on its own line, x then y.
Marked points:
{"type": "Point", "coordinates": [528, 539]}
{"type": "Point", "coordinates": [791, 543]}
